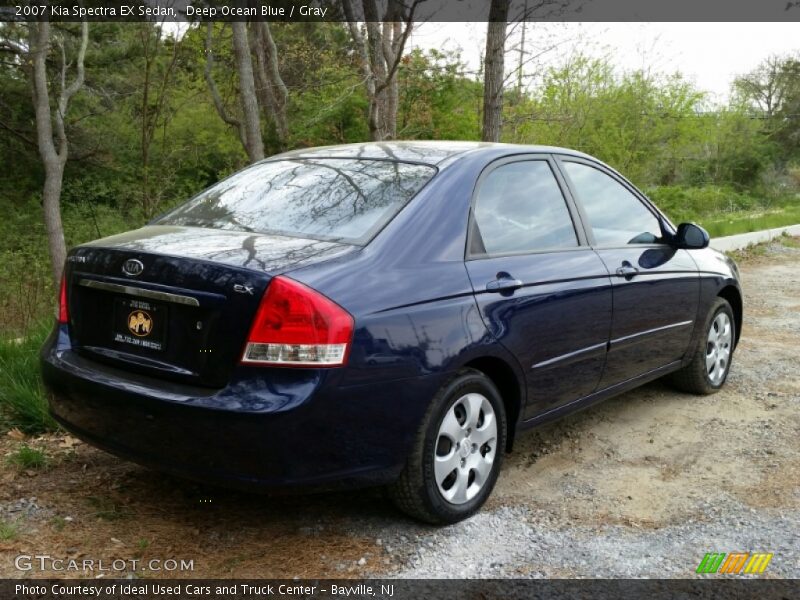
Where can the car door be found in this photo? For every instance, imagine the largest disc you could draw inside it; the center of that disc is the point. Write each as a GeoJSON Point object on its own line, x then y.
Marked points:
{"type": "Point", "coordinates": [656, 287]}
{"type": "Point", "coordinates": [541, 290]}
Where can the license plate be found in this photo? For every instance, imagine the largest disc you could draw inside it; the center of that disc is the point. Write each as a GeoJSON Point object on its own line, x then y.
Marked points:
{"type": "Point", "coordinates": [140, 323]}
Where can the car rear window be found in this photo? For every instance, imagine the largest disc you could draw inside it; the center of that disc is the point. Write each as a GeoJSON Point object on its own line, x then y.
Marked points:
{"type": "Point", "coordinates": [347, 200]}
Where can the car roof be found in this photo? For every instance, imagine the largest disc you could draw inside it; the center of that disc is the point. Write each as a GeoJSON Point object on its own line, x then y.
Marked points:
{"type": "Point", "coordinates": [438, 153]}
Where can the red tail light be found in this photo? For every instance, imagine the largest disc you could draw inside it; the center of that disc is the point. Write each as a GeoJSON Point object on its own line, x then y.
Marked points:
{"type": "Point", "coordinates": [296, 326]}
{"type": "Point", "coordinates": [63, 310]}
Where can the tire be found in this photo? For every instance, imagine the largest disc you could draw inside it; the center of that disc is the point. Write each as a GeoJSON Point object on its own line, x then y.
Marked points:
{"type": "Point", "coordinates": [699, 377]}
{"type": "Point", "coordinates": [421, 489]}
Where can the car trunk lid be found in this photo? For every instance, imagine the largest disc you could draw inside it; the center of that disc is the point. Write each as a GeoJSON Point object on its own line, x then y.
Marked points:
{"type": "Point", "coordinates": [177, 302]}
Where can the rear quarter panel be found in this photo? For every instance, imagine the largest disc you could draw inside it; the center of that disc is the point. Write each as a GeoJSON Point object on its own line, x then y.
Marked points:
{"type": "Point", "coordinates": [409, 290]}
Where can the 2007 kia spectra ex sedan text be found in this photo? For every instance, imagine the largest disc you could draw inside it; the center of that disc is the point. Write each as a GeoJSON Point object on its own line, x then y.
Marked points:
{"type": "Point", "coordinates": [383, 314]}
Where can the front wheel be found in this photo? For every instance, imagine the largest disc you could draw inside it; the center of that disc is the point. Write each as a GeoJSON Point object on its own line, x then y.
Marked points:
{"type": "Point", "coordinates": [457, 453]}
{"type": "Point", "coordinates": [711, 359]}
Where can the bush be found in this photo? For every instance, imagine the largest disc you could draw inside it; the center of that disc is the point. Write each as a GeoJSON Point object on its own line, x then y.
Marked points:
{"type": "Point", "coordinates": [694, 203]}
{"type": "Point", "coordinates": [23, 403]}
{"type": "Point", "coordinates": [27, 294]}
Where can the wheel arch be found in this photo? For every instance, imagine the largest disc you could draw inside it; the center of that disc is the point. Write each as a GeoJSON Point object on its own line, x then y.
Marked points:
{"type": "Point", "coordinates": [504, 377]}
{"type": "Point", "coordinates": [734, 297]}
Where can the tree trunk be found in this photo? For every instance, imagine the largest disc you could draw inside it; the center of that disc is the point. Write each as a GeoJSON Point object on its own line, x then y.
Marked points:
{"type": "Point", "coordinates": [51, 203]}
{"type": "Point", "coordinates": [208, 73]}
{"type": "Point", "coordinates": [391, 93]}
{"type": "Point", "coordinates": [264, 93]}
{"type": "Point", "coordinates": [273, 94]}
{"type": "Point", "coordinates": [53, 158]}
{"type": "Point", "coordinates": [247, 92]}
{"type": "Point", "coordinates": [494, 71]}
{"type": "Point", "coordinates": [380, 53]}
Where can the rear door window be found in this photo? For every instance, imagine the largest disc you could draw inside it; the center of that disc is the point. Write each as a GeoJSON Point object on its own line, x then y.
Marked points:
{"type": "Point", "coordinates": [520, 209]}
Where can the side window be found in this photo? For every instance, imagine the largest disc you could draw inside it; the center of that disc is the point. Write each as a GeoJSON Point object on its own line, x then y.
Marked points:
{"type": "Point", "coordinates": [616, 216]}
{"type": "Point", "coordinates": [520, 209]}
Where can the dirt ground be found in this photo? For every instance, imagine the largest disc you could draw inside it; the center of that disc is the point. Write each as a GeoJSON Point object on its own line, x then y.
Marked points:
{"type": "Point", "coordinates": [642, 485]}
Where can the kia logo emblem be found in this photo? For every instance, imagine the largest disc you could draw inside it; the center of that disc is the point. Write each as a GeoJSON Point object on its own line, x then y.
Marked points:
{"type": "Point", "coordinates": [132, 267]}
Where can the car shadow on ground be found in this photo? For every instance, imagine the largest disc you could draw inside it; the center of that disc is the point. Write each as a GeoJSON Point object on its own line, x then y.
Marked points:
{"type": "Point", "coordinates": [142, 491]}
{"type": "Point", "coordinates": [114, 507]}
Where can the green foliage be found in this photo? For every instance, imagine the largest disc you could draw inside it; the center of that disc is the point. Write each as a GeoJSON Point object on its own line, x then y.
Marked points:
{"type": "Point", "coordinates": [656, 129]}
{"type": "Point", "coordinates": [732, 149]}
{"type": "Point", "coordinates": [144, 135]}
{"type": "Point", "coordinates": [772, 92]}
{"type": "Point", "coordinates": [23, 403]}
{"type": "Point", "coordinates": [26, 289]}
{"type": "Point", "coordinates": [28, 458]}
{"type": "Point", "coordinates": [437, 101]}
{"type": "Point", "coordinates": [327, 103]}
{"type": "Point", "coordinates": [638, 123]}
{"type": "Point", "coordinates": [682, 203]}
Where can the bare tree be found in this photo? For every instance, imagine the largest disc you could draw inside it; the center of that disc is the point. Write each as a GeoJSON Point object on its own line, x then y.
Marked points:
{"type": "Point", "coordinates": [767, 85]}
{"type": "Point", "coordinates": [247, 92]}
{"type": "Point", "coordinates": [494, 69]}
{"type": "Point", "coordinates": [208, 73]}
{"type": "Point", "coordinates": [54, 152]}
{"type": "Point", "coordinates": [270, 89]}
{"type": "Point", "coordinates": [260, 85]}
{"type": "Point", "coordinates": [380, 53]}
{"type": "Point", "coordinates": [151, 40]}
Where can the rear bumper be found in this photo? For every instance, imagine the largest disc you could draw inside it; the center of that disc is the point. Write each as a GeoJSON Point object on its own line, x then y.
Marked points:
{"type": "Point", "coordinates": [268, 428]}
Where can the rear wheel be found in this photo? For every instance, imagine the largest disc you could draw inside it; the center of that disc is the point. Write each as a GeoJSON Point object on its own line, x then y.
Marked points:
{"type": "Point", "coordinates": [457, 453]}
{"type": "Point", "coordinates": [711, 360]}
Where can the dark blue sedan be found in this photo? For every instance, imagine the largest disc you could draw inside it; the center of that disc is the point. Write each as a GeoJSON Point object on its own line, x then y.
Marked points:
{"type": "Point", "coordinates": [383, 314]}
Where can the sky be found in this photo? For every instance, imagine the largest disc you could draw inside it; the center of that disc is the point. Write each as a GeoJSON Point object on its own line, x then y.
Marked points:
{"type": "Point", "coordinates": [708, 54]}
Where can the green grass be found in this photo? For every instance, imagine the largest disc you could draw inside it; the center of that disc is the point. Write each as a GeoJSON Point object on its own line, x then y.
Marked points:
{"type": "Point", "coordinates": [724, 211]}
{"type": "Point", "coordinates": [762, 249]}
{"type": "Point", "coordinates": [745, 223]}
{"type": "Point", "coordinates": [8, 531]}
{"type": "Point", "coordinates": [107, 508]}
{"type": "Point", "coordinates": [23, 403]}
{"type": "Point", "coordinates": [27, 458]}
{"type": "Point", "coordinates": [58, 523]}
{"type": "Point", "coordinates": [790, 241]}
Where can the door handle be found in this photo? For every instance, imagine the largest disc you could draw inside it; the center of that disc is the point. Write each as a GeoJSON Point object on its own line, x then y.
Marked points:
{"type": "Point", "coordinates": [503, 283]}
{"type": "Point", "coordinates": [627, 270]}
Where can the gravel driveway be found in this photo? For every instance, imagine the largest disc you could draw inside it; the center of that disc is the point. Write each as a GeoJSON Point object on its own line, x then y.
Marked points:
{"type": "Point", "coordinates": [646, 484]}
{"type": "Point", "coordinates": [640, 486]}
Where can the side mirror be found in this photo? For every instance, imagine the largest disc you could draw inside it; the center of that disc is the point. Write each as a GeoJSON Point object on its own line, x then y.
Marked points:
{"type": "Point", "coordinates": [691, 237]}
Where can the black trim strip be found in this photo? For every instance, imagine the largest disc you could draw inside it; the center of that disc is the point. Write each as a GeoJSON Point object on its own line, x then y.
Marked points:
{"type": "Point", "coordinates": [613, 390]}
{"type": "Point", "coordinates": [574, 356]}
{"type": "Point", "coordinates": [601, 348]}
{"type": "Point", "coordinates": [634, 338]}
